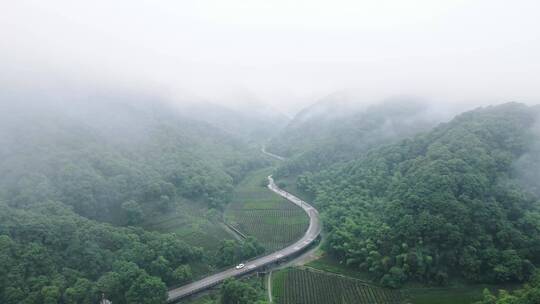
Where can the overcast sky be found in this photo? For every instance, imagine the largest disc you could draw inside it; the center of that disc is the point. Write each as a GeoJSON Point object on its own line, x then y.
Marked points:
{"type": "Point", "coordinates": [284, 52]}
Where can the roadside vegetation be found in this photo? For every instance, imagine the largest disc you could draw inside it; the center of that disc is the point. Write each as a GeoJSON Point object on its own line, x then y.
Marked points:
{"type": "Point", "coordinates": [232, 291]}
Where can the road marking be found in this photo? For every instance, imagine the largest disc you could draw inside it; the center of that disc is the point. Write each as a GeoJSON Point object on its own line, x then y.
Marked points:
{"type": "Point", "coordinates": [251, 266]}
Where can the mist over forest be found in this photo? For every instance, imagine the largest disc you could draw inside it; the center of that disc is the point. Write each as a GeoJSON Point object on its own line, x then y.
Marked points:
{"type": "Point", "coordinates": [255, 152]}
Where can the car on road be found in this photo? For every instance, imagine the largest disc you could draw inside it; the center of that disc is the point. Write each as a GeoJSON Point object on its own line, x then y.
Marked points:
{"type": "Point", "coordinates": [240, 266]}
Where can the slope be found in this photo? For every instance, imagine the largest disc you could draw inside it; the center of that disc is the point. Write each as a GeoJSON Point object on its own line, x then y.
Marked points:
{"type": "Point", "coordinates": [337, 129]}
{"type": "Point", "coordinates": [446, 203]}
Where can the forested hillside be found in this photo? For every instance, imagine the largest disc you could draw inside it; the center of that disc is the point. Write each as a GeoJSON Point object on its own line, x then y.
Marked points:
{"type": "Point", "coordinates": [109, 155]}
{"type": "Point", "coordinates": [446, 203]}
{"type": "Point", "coordinates": [338, 129]}
{"type": "Point", "coordinates": [48, 254]}
{"type": "Point", "coordinates": [81, 171]}
{"type": "Point", "coordinates": [249, 121]}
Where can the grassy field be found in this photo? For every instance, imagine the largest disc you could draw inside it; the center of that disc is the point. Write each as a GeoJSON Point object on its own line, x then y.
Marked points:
{"type": "Point", "coordinates": [258, 212]}
{"type": "Point", "coordinates": [299, 286]}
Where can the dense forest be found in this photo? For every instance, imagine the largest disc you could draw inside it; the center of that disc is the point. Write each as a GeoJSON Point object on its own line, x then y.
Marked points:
{"type": "Point", "coordinates": [105, 157]}
{"type": "Point", "coordinates": [51, 255]}
{"type": "Point", "coordinates": [445, 203]}
{"type": "Point", "coordinates": [337, 129]}
{"type": "Point", "coordinates": [401, 200]}
{"type": "Point", "coordinates": [79, 176]}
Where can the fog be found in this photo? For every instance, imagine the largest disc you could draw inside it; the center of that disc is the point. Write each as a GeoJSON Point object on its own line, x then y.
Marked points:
{"type": "Point", "coordinates": [527, 167]}
{"type": "Point", "coordinates": [286, 54]}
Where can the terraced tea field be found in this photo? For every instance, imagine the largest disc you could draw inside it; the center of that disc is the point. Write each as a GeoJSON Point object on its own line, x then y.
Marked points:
{"type": "Point", "coordinates": [274, 228]}
{"type": "Point", "coordinates": [305, 286]}
{"type": "Point", "coordinates": [257, 212]}
{"type": "Point", "coordinates": [193, 223]}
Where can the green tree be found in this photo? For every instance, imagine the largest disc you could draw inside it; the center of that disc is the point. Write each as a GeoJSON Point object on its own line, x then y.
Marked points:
{"type": "Point", "coordinates": [160, 267]}
{"type": "Point", "coordinates": [110, 284]}
{"type": "Point", "coordinates": [13, 295]}
{"type": "Point", "coordinates": [446, 199]}
{"type": "Point", "coordinates": [182, 274]}
{"type": "Point", "coordinates": [226, 254]}
{"type": "Point", "coordinates": [251, 248]}
{"type": "Point", "coordinates": [237, 292]}
{"type": "Point", "coordinates": [50, 294]}
{"type": "Point", "coordinates": [133, 211]}
{"type": "Point", "coordinates": [147, 290]}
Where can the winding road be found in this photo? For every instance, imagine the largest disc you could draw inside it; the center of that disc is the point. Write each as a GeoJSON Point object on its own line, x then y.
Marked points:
{"type": "Point", "coordinates": [263, 150]}
{"type": "Point", "coordinates": [309, 237]}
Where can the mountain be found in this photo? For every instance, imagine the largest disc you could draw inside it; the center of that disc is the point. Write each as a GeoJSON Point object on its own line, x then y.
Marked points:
{"type": "Point", "coordinates": [447, 203]}
{"type": "Point", "coordinates": [339, 128]}
{"type": "Point", "coordinates": [81, 170]}
{"type": "Point", "coordinates": [96, 152]}
{"type": "Point", "coordinates": [252, 122]}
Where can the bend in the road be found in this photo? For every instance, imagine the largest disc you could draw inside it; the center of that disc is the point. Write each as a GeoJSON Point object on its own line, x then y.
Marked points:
{"type": "Point", "coordinates": [309, 237]}
{"type": "Point", "coordinates": [263, 150]}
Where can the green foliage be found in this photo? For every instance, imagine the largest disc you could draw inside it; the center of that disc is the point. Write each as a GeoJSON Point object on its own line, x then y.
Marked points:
{"type": "Point", "coordinates": [96, 156]}
{"type": "Point", "coordinates": [134, 212]}
{"type": "Point", "coordinates": [147, 290]}
{"type": "Point", "coordinates": [238, 292]}
{"type": "Point", "coordinates": [233, 252]}
{"type": "Point", "coordinates": [50, 294]}
{"type": "Point", "coordinates": [49, 252]}
{"type": "Point", "coordinates": [394, 278]}
{"type": "Point", "coordinates": [182, 274]}
{"type": "Point", "coordinates": [69, 167]}
{"type": "Point", "coordinates": [111, 285]}
{"type": "Point", "coordinates": [529, 294]}
{"type": "Point", "coordinates": [441, 204]}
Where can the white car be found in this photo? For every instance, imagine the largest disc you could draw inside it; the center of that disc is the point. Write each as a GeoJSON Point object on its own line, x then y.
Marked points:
{"type": "Point", "coordinates": [240, 266]}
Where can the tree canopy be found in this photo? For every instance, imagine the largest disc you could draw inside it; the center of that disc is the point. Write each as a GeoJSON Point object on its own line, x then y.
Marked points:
{"type": "Point", "coordinates": [79, 178]}
{"type": "Point", "coordinates": [444, 203]}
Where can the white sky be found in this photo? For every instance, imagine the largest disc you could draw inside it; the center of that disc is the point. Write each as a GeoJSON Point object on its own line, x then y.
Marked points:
{"type": "Point", "coordinates": [286, 52]}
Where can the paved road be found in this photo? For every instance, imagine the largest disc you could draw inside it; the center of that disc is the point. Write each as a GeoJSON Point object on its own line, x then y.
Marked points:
{"type": "Point", "coordinates": [263, 150]}
{"type": "Point", "coordinates": [311, 234]}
